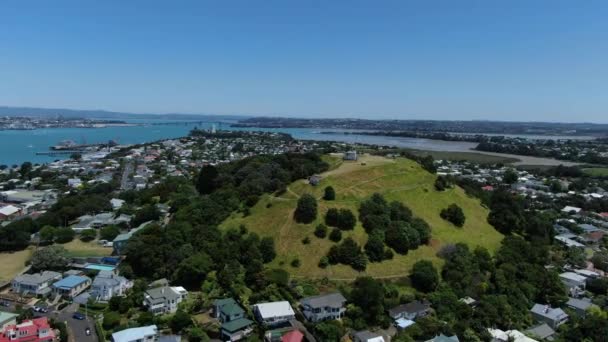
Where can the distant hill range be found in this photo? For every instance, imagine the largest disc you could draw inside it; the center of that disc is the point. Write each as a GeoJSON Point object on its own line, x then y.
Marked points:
{"type": "Point", "coordinates": [103, 114]}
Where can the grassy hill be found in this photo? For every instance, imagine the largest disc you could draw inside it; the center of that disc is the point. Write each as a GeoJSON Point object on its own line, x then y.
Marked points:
{"type": "Point", "coordinates": [397, 179]}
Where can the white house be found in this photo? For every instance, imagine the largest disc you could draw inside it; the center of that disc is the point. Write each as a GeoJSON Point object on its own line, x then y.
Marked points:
{"type": "Point", "coordinates": [108, 284]}
{"type": "Point", "coordinates": [274, 313]}
{"type": "Point", "coordinates": [164, 299]}
{"type": "Point", "coordinates": [142, 334]}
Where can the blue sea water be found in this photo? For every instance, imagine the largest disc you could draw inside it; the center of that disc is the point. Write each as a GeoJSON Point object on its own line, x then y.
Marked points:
{"type": "Point", "coordinates": [17, 147]}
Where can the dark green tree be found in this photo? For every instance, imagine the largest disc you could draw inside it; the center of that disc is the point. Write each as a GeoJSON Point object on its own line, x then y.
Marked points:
{"type": "Point", "coordinates": [329, 193]}
{"type": "Point", "coordinates": [306, 210]}
{"type": "Point", "coordinates": [424, 276]}
{"type": "Point", "coordinates": [267, 249]}
{"type": "Point", "coordinates": [454, 214]}
{"type": "Point", "coordinates": [207, 180]}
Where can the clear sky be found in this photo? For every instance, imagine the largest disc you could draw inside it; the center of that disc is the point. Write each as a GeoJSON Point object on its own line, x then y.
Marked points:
{"type": "Point", "coordinates": [504, 60]}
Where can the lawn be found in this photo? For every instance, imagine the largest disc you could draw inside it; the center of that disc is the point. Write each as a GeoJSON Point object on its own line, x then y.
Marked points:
{"type": "Point", "coordinates": [397, 179]}
{"type": "Point", "coordinates": [13, 263]}
{"type": "Point", "coordinates": [597, 171]}
{"type": "Point", "coordinates": [77, 248]}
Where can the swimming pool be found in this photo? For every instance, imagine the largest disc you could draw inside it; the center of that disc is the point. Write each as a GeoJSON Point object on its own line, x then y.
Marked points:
{"type": "Point", "coordinates": [100, 267]}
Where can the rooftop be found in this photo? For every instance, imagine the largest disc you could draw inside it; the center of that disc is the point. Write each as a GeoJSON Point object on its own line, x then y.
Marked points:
{"type": "Point", "coordinates": [70, 282]}
{"type": "Point", "coordinates": [274, 309]}
{"type": "Point", "coordinates": [334, 300]}
{"type": "Point", "coordinates": [134, 334]}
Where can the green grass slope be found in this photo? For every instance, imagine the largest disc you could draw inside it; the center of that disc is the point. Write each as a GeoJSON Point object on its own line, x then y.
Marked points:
{"type": "Point", "coordinates": [397, 179]}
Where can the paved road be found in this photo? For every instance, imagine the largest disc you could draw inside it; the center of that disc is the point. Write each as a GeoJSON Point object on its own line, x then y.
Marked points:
{"type": "Point", "coordinates": [124, 181]}
{"type": "Point", "coordinates": [76, 328]}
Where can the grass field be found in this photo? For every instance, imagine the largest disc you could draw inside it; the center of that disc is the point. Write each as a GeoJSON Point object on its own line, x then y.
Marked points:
{"type": "Point", "coordinates": [597, 171]}
{"type": "Point", "coordinates": [12, 263]}
{"type": "Point", "coordinates": [397, 179]}
{"type": "Point", "coordinates": [77, 248]}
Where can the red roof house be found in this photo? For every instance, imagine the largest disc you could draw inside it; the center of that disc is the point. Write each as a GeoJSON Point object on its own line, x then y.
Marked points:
{"type": "Point", "coordinates": [293, 336]}
{"type": "Point", "coordinates": [35, 330]}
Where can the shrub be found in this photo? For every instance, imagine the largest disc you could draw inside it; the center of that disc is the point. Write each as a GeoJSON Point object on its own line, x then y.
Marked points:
{"type": "Point", "coordinates": [306, 240]}
{"type": "Point", "coordinates": [296, 263]}
{"type": "Point", "coordinates": [88, 235]}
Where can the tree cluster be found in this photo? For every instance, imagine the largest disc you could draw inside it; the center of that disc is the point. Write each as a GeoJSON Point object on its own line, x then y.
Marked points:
{"type": "Point", "coordinates": [393, 224]}
{"type": "Point", "coordinates": [340, 218]}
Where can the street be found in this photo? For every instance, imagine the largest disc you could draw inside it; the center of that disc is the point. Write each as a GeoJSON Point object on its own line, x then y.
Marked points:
{"type": "Point", "coordinates": [76, 328]}
{"type": "Point", "coordinates": [124, 181]}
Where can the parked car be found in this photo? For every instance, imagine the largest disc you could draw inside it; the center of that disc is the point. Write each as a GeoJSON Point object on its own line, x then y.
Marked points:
{"type": "Point", "coordinates": [78, 316]}
{"type": "Point", "coordinates": [41, 309]}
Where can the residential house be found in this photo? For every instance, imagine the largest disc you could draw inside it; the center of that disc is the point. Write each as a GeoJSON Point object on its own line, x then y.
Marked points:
{"type": "Point", "coordinates": [116, 203]}
{"type": "Point", "coordinates": [509, 336]}
{"type": "Point", "coordinates": [142, 334]}
{"type": "Point", "coordinates": [350, 155]}
{"type": "Point", "coordinates": [38, 284]}
{"type": "Point", "coordinates": [368, 336]}
{"type": "Point", "coordinates": [34, 330]}
{"type": "Point", "coordinates": [580, 306]}
{"type": "Point", "coordinates": [120, 241]}
{"type": "Point", "coordinates": [542, 332]}
{"type": "Point", "coordinates": [572, 280]}
{"type": "Point", "coordinates": [568, 209]}
{"type": "Point", "coordinates": [324, 307]}
{"type": "Point", "coordinates": [293, 336]}
{"type": "Point", "coordinates": [108, 284]}
{"type": "Point", "coordinates": [444, 338]}
{"type": "Point", "coordinates": [9, 212]}
{"type": "Point", "coordinates": [6, 319]}
{"type": "Point", "coordinates": [235, 325]}
{"type": "Point", "coordinates": [554, 317]}
{"type": "Point", "coordinates": [274, 313]}
{"type": "Point", "coordinates": [164, 299]}
{"type": "Point", "coordinates": [411, 310]}
{"type": "Point", "coordinates": [71, 286]}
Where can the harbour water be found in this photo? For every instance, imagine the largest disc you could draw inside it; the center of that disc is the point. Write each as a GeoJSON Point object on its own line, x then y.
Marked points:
{"type": "Point", "coordinates": [17, 147]}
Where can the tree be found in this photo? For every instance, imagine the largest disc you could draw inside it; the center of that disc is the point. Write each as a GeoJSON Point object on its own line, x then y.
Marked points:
{"type": "Point", "coordinates": [321, 231]}
{"type": "Point", "coordinates": [47, 234]}
{"type": "Point", "coordinates": [335, 235]}
{"type": "Point", "coordinates": [197, 334]}
{"type": "Point", "coordinates": [109, 233]}
{"type": "Point", "coordinates": [49, 259]}
{"type": "Point", "coordinates": [111, 320]}
{"type": "Point", "coordinates": [306, 210]}
{"type": "Point", "coordinates": [424, 276]}
{"type": "Point", "coordinates": [207, 180]}
{"type": "Point", "coordinates": [148, 212]}
{"type": "Point", "coordinates": [510, 176]}
{"type": "Point", "coordinates": [64, 235]}
{"type": "Point", "coordinates": [454, 214]}
{"type": "Point", "coordinates": [442, 183]}
{"type": "Point", "coordinates": [423, 229]}
{"type": "Point", "coordinates": [368, 294]}
{"type": "Point", "coordinates": [329, 193]}
{"type": "Point", "coordinates": [332, 217]}
{"type": "Point", "coordinates": [88, 235]}
{"type": "Point", "coordinates": [180, 321]}
{"type": "Point", "coordinates": [76, 156]}
{"type": "Point", "coordinates": [193, 270]}
{"type": "Point", "coordinates": [374, 248]}
{"type": "Point", "coordinates": [267, 249]}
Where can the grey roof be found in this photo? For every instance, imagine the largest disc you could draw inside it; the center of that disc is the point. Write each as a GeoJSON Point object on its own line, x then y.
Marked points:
{"type": "Point", "coordinates": [444, 338]}
{"type": "Point", "coordinates": [37, 278]}
{"type": "Point", "coordinates": [555, 314]}
{"type": "Point", "coordinates": [333, 300]}
{"type": "Point", "coordinates": [411, 307]}
{"type": "Point", "coordinates": [581, 304]}
{"type": "Point", "coordinates": [161, 294]}
{"type": "Point", "coordinates": [541, 331]}
{"type": "Point", "coordinates": [108, 278]}
{"type": "Point", "coordinates": [365, 335]}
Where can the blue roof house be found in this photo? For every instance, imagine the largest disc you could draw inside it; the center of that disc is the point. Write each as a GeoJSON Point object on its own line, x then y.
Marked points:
{"type": "Point", "coordinates": [71, 286]}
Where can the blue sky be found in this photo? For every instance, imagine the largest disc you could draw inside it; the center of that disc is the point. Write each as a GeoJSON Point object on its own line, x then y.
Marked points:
{"type": "Point", "coordinates": [503, 60]}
